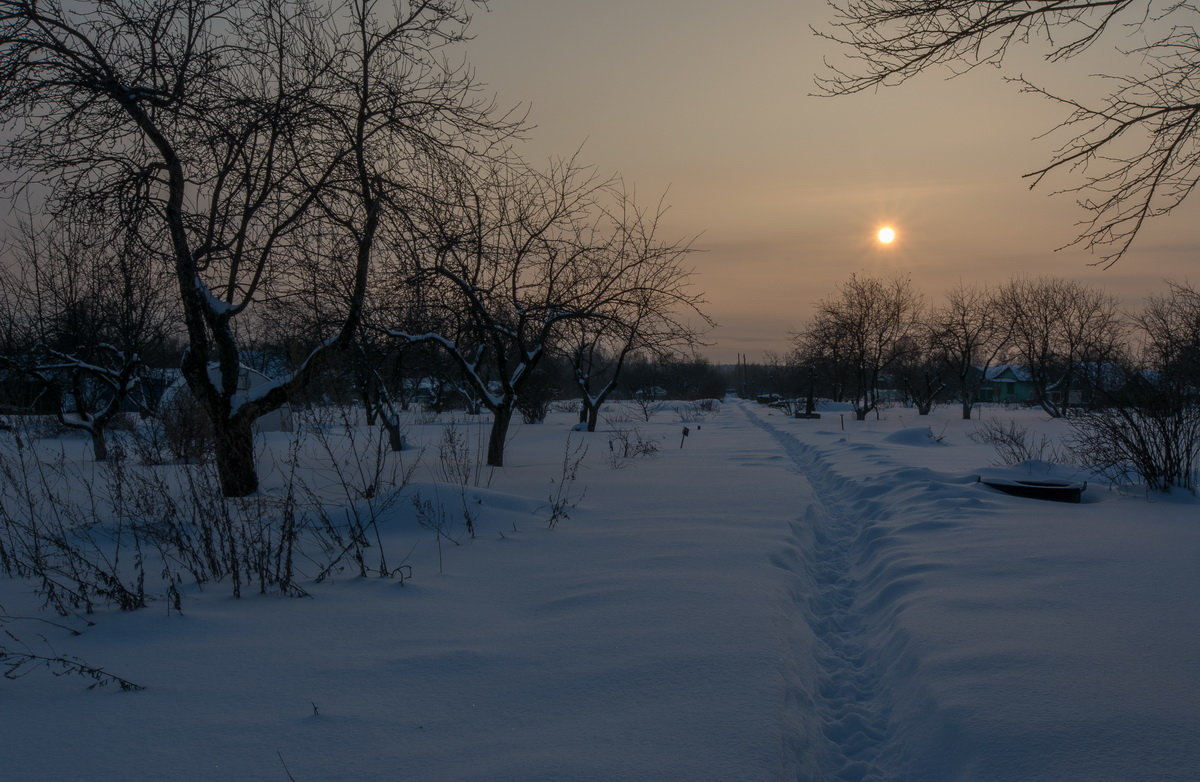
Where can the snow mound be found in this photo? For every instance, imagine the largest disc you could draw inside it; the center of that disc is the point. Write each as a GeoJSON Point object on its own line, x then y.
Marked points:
{"type": "Point", "coordinates": [918, 435]}
{"type": "Point", "coordinates": [1035, 469]}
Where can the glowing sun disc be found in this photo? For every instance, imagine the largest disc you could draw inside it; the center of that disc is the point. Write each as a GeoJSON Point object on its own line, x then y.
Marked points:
{"type": "Point", "coordinates": [886, 235]}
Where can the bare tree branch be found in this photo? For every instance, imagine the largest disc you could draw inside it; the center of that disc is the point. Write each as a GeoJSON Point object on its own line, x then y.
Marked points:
{"type": "Point", "coordinates": [1135, 154]}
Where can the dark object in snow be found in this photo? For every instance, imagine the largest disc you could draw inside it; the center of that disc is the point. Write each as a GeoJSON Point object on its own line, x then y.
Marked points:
{"type": "Point", "coordinates": [1057, 491]}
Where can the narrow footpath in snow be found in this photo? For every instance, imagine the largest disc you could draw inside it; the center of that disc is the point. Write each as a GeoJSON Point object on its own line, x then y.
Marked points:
{"type": "Point", "coordinates": [851, 702]}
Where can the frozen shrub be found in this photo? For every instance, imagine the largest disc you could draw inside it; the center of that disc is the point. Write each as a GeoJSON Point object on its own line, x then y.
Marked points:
{"type": "Point", "coordinates": [644, 405]}
{"type": "Point", "coordinates": [626, 444]}
{"type": "Point", "coordinates": [459, 466]}
{"type": "Point", "coordinates": [1156, 442]}
{"type": "Point", "coordinates": [689, 412]}
{"type": "Point", "coordinates": [562, 500]}
{"type": "Point", "coordinates": [534, 401]}
{"type": "Point", "coordinates": [103, 535]}
{"type": "Point", "coordinates": [186, 432]}
{"type": "Point", "coordinates": [1015, 444]}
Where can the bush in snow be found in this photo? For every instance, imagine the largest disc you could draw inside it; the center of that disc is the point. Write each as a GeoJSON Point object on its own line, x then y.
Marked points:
{"type": "Point", "coordinates": [627, 444]}
{"type": "Point", "coordinates": [1015, 444]}
{"type": "Point", "coordinates": [699, 410]}
{"type": "Point", "coordinates": [534, 402]}
{"type": "Point", "coordinates": [181, 430]}
{"type": "Point", "coordinates": [1155, 441]}
{"type": "Point", "coordinates": [562, 500]}
{"type": "Point", "coordinates": [644, 405]}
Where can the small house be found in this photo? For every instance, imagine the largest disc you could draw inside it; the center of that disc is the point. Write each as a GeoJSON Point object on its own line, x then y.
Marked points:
{"type": "Point", "coordinates": [1008, 384]}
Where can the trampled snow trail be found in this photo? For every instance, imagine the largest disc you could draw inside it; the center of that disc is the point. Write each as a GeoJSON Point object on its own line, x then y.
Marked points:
{"type": "Point", "coordinates": [849, 695]}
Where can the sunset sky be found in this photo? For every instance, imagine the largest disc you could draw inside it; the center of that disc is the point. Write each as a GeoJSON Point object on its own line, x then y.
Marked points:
{"type": "Point", "coordinates": [711, 103]}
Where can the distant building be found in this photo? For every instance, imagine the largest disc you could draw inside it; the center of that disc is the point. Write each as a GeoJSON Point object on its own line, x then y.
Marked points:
{"type": "Point", "coordinates": [1008, 384]}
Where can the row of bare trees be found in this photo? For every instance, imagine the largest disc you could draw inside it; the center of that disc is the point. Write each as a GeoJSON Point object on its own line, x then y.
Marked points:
{"type": "Point", "coordinates": [81, 310]}
{"type": "Point", "coordinates": [1069, 340]}
{"type": "Point", "coordinates": [331, 166]}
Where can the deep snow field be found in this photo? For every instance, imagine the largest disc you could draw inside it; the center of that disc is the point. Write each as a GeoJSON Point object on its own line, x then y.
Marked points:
{"type": "Point", "coordinates": [777, 599]}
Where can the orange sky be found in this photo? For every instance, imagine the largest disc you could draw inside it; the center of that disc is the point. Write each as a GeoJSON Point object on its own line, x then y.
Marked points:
{"type": "Point", "coordinates": [710, 101]}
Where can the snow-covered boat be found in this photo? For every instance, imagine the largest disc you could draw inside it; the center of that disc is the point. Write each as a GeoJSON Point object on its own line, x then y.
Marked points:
{"type": "Point", "coordinates": [1058, 491]}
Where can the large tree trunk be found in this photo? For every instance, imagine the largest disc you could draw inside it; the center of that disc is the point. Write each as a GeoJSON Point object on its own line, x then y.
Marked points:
{"type": "Point", "coordinates": [234, 446]}
{"type": "Point", "coordinates": [363, 386]}
{"type": "Point", "coordinates": [383, 410]}
{"type": "Point", "coordinates": [395, 435]}
{"type": "Point", "coordinates": [99, 444]}
{"type": "Point", "coordinates": [589, 413]}
{"type": "Point", "coordinates": [503, 417]}
{"type": "Point", "coordinates": [966, 409]}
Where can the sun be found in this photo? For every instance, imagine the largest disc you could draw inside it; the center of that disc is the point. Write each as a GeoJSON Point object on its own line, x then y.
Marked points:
{"type": "Point", "coordinates": [886, 235]}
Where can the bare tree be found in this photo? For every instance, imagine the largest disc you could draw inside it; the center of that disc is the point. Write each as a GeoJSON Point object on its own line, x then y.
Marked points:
{"type": "Point", "coordinates": [921, 368]}
{"type": "Point", "coordinates": [512, 255]}
{"type": "Point", "coordinates": [498, 261]}
{"type": "Point", "coordinates": [865, 329]}
{"type": "Point", "coordinates": [656, 313]}
{"type": "Point", "coordinates": [823, 350]}
{"type": "Point", "coordinates": [1170, 330]}
{"type": "Point", "coordinates": [1136, 151]}
{"type": "Point", "coordinates": [1065, 334]}
{"type": "Point", "coordinates": [252, 130]}
{"type": "Point", "coordinates": [970, 332]}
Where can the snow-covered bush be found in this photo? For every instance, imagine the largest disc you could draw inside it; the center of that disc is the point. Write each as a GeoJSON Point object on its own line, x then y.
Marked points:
{"type": "Point", "coordinates": [533, 403]}
{"type": "Point", "coordinates": [182, 429]}
{"type": "Point", "coordinates": [1015, 443]}
{"type": "Point", "coordinates": [1158, 443]}
{"type": "Point", "coordinates": [698, 410]}
{"type": "Point", "coordinates": [644, 405]}
{"type": "Point", "coordinates": [626, 444]}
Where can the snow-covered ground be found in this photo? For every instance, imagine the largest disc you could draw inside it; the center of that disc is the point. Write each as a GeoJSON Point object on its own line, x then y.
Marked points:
{"type": "Point", "coordinates": [775, 599]}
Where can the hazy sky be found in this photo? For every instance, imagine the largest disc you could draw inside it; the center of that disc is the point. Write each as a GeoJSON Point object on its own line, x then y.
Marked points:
{"type": "Point", "coordinates": [711, 102]}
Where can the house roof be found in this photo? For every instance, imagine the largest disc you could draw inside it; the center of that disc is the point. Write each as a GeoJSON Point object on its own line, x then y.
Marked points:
{"type": "Point", "coordinates": [1016, 372]}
